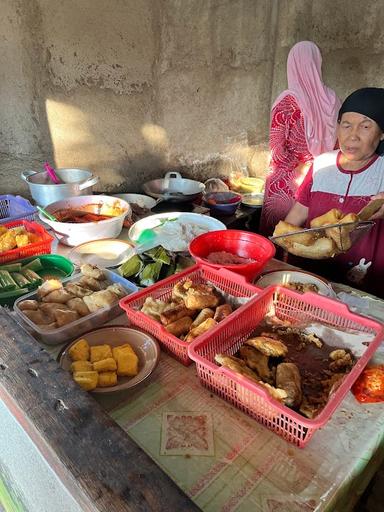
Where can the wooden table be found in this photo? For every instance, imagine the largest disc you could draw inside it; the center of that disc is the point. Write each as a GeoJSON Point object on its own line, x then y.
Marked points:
{"type": "Point", "coordinates": [86, 446]}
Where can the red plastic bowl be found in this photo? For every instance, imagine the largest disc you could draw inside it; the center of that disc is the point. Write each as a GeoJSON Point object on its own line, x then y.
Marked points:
{"type": "Point", "coordinates": [241, 243]}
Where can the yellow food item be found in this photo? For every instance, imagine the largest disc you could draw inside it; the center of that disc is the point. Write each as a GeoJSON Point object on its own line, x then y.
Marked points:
{"type": "Point", "coordinates": [3, 230]}
{"type": "Point", "coordinates": [22, 240]}
{"type": "Point", "coordinates": [105, 365]}
{"type": "Point", "coordinates": [341, 235]}
{"type": "Point", "coordinates": [7, 241]}
{"type": "Point", "coordinates": [81, 366]}
{"type": "Point", "coordinates": [87, 380]}
{"type": "Point", "coordinates": [321, 249]}
{"type": "Point", "coordinates": [107, 379]}
{"type": "Point", "coordinates": [331, 217]}
{"type": "Point", "coordinates": [33, 238]}
{"type": "Point", "coordinates": [79, 351]}
{"type": "Point", "coordinates": [283, 228]}
{"type": "Point", "coordinates": [125, 348]}
{"type": "Point", "coordinates": [99, 352]}
{"type": "Point", "coordinates": [127, 363]}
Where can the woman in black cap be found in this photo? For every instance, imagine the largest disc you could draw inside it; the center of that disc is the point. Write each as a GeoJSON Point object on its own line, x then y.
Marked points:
{"type": "Point", "coordinates": [348, 179]}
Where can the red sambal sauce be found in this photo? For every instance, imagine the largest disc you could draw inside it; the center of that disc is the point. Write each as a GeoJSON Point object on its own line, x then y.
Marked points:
{"type": "Point", "coordinates": [369, 387]}
{"type": "Point", "coordinates": [227, 258]}
{"type": "Point", "coordinates": [79, 216]}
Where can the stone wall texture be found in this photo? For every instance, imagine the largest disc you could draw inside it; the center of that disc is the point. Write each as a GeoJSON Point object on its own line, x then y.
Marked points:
{"type": "Point", "coordinates": [131, 88]}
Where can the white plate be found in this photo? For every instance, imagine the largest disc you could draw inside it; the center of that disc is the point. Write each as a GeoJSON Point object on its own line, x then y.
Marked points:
{"type": "Point", "coordinates": [282, 277]}
{"type": "Point", "coordinates": [195, 219]}
{"type": "Point", "coordinates": [145, 347]}
{"type": "Point", "coordinates": [139, 199]}
{"type": "Point", "coordinates": [107, 253]}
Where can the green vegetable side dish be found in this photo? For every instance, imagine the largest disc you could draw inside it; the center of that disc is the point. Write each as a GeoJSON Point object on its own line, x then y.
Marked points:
{"type": "Point", "coordinates": [153, 265]}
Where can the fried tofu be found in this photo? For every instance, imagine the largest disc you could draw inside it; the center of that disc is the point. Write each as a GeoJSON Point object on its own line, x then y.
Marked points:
{"type": "Point", "coordinates": [80, 351]}
{"type": "Point", "coordinates": [127, 361]}
{"type": "Point", "coordinates": [22, 240]}
{"type": "Point", "coordinates": [100, 352]}
{"type": "Point", "coordinates": [107, 379]}
{"type": "Point", "coordinates": [105, 365]}
{"type": "Point", "coordinates": [87, 380]}
{"type": "Point", "coordinates": [81, 366]}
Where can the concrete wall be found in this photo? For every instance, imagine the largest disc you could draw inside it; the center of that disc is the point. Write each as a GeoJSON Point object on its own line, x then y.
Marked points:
{"type": "Point", "coordinates": [129, 88]}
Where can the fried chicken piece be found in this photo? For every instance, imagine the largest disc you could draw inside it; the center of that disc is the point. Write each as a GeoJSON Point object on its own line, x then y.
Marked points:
{"type": "Point", "coordinates": [237, 365]}
{"type": "Point", "coordinates": [288, 378]}
{"type": "Point", "coordinates": [257, 362]}
{"type": "Point", "coordinates": [268, 346]}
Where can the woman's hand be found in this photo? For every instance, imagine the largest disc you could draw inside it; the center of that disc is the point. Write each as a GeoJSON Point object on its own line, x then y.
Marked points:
{"type": "Point", "coordinates": [380, 213]}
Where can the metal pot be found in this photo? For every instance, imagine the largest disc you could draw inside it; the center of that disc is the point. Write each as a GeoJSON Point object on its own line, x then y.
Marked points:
{"type": "Point", "coordinates": [174, 188]}
{"type": "Point", "coordinates": [76, 182]}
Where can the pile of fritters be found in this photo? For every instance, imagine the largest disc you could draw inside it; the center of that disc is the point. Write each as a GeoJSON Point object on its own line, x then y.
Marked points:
{"type": "Point", "coordinates": [58, 305]}
{"type": "Point", "coordinates": [16, 237]}
{"type": "Point", "coordinates": [267, 360]}
{"type": "Point", "coordinates": [192, 310]}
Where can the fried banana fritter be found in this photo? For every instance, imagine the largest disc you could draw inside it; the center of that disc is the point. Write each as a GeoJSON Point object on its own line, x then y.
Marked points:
{"type": "Point", "coordinates": [268, 346]}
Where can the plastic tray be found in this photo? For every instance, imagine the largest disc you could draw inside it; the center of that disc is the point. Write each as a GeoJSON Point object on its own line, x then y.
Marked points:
{"type": "Point", "coordinates": [15, 208]}
{"type": "Point", "coordinates": [54, 265]}
{"type": "Point", "coordinates": [225, 280]}
{"type": "Point", "coordinates": [84, 324]}
{"type": "Point", "coordinates": [252, 398]}
{"type": "Point", "coordinates": [37, 248]}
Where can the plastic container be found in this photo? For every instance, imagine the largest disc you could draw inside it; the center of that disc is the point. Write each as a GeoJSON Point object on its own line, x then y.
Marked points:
{"type": "Point", "coordinates": [252, 398]}
{"type": "Point", "coordinates": [15, 208]}
{"type": "Point", "coordinates": [37, 248]}
{"type": "Point", "coordinates": [222, 203]}
{"type": "Point", "coordinates": [54, 265]}
{"type": "Point", "coordinates": [226, 281]}
{"type": "Point", "coordinates": [84, 324]}
{"type": "Point", "coordinates": [241, 243]}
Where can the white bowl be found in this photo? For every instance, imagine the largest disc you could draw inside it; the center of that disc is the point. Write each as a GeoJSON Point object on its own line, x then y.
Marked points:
{"type": "Point", "coordinates": [107, 253]}
{"type": "Point", "coordinates": [140, 199]}
{"type": "Point", "coordinates": [282, 277]}
{"type": "Point", "coordinates": [75, 234]}
{"type": "Point", "coordinates": [194, 219]}
{"type": "Point", "coordinates": [145, 347]}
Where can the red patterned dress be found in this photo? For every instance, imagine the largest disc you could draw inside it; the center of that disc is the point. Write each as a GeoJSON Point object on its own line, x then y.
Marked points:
{"type": "Point", "coordinates": [289, 149]}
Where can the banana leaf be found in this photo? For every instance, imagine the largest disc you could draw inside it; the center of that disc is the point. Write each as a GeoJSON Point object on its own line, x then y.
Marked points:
{"type": "Point", "coordinates": [150, 273]}
{"type": "Point", "coordinates": [159, 254]}
{"type": "Point", "coordinates": [131, 267]}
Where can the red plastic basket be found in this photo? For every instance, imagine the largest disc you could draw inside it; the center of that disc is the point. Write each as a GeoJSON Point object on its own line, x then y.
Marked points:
{"type": "Point", "coordinates": [252, 398]}
{"type": "Point", "coordinates": [41, 247]}
{"type": "Point", "coordinates": [227, 281]}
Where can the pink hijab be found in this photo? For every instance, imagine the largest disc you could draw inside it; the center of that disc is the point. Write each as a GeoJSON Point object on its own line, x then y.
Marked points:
{"type": "Point", "coordinates": [318, 103]}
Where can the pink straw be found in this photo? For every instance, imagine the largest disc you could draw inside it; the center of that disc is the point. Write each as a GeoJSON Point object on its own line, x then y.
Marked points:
{"type": "Point", "coordinates": [52, 174]}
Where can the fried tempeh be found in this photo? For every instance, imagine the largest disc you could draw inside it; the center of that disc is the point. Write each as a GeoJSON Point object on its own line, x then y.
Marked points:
{"type": "Point", "coordinates": [257, 362]}
{"type": "Point", "coordinates": [268, 346]}
{"type": "Point", "coordinates": [288, 378]}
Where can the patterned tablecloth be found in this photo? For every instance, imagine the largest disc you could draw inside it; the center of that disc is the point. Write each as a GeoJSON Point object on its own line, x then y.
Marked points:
{"type": "Point", "coordinates": [226, 461]}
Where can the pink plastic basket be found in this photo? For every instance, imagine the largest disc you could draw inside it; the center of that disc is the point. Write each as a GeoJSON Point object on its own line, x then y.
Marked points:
{"type": "Point", "coordinates": [225, 280]}
{"type": "Point", "coordinates": [43, 246]}
{"type": "Point", "coordinates": [252, 398]}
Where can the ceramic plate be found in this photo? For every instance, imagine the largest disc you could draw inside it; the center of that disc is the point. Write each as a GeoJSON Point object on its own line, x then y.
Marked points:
{"type": "Point", "coordinates": [145, 347]}
{"type": "Point", "coordinates": [192, 219]}
{"type": "Point", "coordinates": [140, 199]}
{"type": "Point", "coordinates": [282, 277]}
{"type": "Point", "coordinates": [106, 253]}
